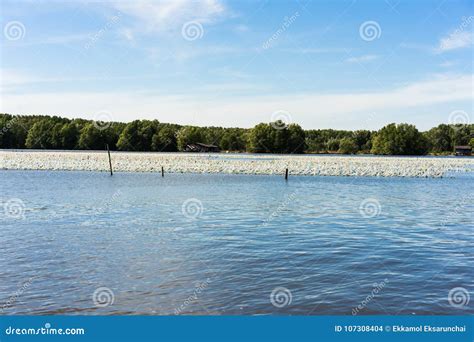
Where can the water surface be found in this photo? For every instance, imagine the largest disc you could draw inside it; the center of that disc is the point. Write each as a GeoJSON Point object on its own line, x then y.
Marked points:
{"type": "Point", "coordinates": [221, 244]}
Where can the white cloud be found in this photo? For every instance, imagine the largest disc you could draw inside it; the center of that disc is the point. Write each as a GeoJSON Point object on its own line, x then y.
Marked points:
{"type": "Point", "coordinates": [159, 55]}
{"type": "Point", "coordinates": [447, 64]}
{"type": "Point", "coordinates": [315, 50]}
{"type": "Point", "coordinates": [241, 28]}
{"type": "Point", "coordinates": [456, 40]}
{"type": "Point", "coordinates": [167, 15]}
{"type": "Point", "coordinates": [127, 34]}
{"type": "Point", "coordinates": [221, 106]}
{"type": "Point", "coordinates": [362, 59]}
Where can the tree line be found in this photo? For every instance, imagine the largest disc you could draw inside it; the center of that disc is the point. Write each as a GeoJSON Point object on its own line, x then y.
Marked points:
{"type": "Point", "coordinates": [53, 132]}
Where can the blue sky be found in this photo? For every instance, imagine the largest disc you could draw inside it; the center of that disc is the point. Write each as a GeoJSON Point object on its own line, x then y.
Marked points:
{"type": "Point", "coordinates": [323, 64]}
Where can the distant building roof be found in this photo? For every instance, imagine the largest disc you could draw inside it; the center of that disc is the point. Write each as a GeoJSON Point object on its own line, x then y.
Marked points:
{"type": "Point", "coordinates": [200, 147]}
{"type": "Point", "coordinates": [463, 147]}
{"type": "Point", "coordinates": [206, 145]}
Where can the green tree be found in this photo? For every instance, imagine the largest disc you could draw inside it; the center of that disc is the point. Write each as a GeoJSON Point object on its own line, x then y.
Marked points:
{"type": "Point", "coordinates": [212, 135]}
{"type": "Point", "coordinates": [14, 130]}
{"type": "Point", "coordinates": [189, 135]}
{"type": "Point", "coordinates": [40, 135]}
{"type": "Point", "coordinates": [261, 138]}
{"type": "Point", "coordinates": [137, 135]}
{"type": "Point", "coordinates": [92, 138]}
{"type": "Point", "coordinates": [363, 139]}
{"type": "Point", "coordinates": [462, 134]}
{"type": "Point", "coordinates": [332, 144]}
{"type": "Point", "coordinates": [6, 135]}
{"type": "Point", "coordinates": [440, 138]}
{"type": "Point", "coordinates": [296, 139]}
{"type": "Point", "coordinates": [402, 139]}
{"type": "Point", "coordinates": [280, 136]}
{"type": "Point", "coordinates": [56, 136]}
{"type": "Point", "coordinates": [276, 138]}
{"type": "Point", "coordinates": [348, 146]}
{"type": "Point", "coordinates": [233, 140]}
{"type": "Point", "coordinates": [165, 139]}
{"type": "Point", "coordinates": [69, 136]}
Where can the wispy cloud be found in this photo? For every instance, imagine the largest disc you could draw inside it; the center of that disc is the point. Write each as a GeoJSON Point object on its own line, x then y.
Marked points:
{"type": "Point", "coordinates": [362, 59]}
{"type": "Point", "coordinates": [222, 107]}
{"type": "Point", "coordinates": [183, 53]}
{"type": "Point", "coordinates": [314, 50]}
{"type": "Point", "coordinates": [456, 40]}
{"type": "Point", "coordinates": [167, 15]}
{"type": "Point", "coordinates": [447, 64]}
{"type": "Point", "coordinates": [417, 46]}
{"type": "Point", "coordinates": [17, 80]}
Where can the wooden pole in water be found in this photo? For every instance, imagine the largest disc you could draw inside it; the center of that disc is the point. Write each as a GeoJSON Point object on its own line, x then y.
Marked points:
{"type": "Point", "coordinates": [286, 174]}
{"type": "Point", "coordinates": [162, 172]}
{"type": "Point", "coordinates": [110, 160]}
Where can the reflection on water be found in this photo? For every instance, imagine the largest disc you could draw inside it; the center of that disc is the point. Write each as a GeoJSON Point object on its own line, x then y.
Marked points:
{"type": "Point", "coordinates": [233, 244]}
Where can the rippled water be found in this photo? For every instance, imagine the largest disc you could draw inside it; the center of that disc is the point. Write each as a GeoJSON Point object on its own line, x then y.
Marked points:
{"type": "Point", "coordinates": [221, 244]}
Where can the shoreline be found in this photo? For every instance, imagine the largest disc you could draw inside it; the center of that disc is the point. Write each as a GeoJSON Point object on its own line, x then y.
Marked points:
{"type": "Point", "coordinates": [240, 163]}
